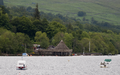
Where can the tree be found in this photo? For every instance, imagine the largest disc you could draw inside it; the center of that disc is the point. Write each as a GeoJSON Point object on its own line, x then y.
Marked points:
{"type": "Point", "coordinates": [4, 21]}
{"type": "Point", "coordinates": [100, 46]}
{"type": "Point", "coordinates": [29, 9]}
{"type": "Point", "coordinates": [85, 35]}
{"type": "Point", "coordinates": [85, 44]}
{"type": "Point", "coordinates": [112, 49]}
{"type": "Point", "coordinates": [60, 16]}
{"type": "Point", "coordinates": [12, 43]}
{"type": "Point", "coordinates": [58, 20]}
{"type": "Point", "coordinates": [14, 29]}
{"type": "Point", "coordinates": [77, 46]}
{"type": "Point", "coordinates": [42, 38]}
{"type": "Point", "coordinates": [0, 52]}
{"type": "Point", "coordinates": [2, 31]}
{"type": "Point", "coordinates": [23, 40]}
{"type": "Point", "coordinates": [101, 43]}
{"type": "Point", "coordinates": [79, 25]}
{"type": "Point", "coordinates": [55, 27]}
{"type": "Point", "coordinates": [69, 28]}
{"type": "Point", "coordinates": [84, 19]}
{"type": "Point", "coordinates": [8, 42]}
{"type": "Point", "coordinates": [37, 13]}
{"type": "Point", "coordinates": [68, 38]}
{"type": "Point", "coordinates": [4, 10]}
{"type": "Point", "coordinates": [110, 31]}
{"type": "Point", "coordinates": [44, 24]}
{"type": "Point", "coordinates": [38, 25]}
{"type": "Point", "coordinates": [78, 34]}
{"type": "Point", "coordinates": [24, 25]}
{"type": "Point", "coordinates": [117, 46]}
{"type": "Point", "coordinates": [57, 38]}
{"type": "Point", "coordinates": [81, 13]}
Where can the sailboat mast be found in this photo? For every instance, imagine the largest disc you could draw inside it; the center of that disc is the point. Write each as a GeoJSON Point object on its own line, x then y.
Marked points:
{"type": "Point", "coordinates": [25, 48]}
{"type": "Point", "coordinates": [89, 46]}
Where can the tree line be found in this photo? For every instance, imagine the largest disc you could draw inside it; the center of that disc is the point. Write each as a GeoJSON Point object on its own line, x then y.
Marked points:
{"type": "Point", "coordinates": [16, 31]}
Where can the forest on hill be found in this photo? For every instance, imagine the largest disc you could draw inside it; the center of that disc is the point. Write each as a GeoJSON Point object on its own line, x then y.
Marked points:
{"type": "Point", "coordinates": [100, 10]}
{"type": "Point", "coordinates": [21, 25]}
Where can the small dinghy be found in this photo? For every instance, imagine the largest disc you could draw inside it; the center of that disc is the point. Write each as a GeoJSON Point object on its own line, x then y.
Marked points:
{"type": "Point", "coordinates": [103, 65]}
{"type": "Point", "coordinates": [21, 64]}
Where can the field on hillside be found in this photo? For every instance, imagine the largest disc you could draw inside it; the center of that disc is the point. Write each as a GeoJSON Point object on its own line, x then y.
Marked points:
{"type": "Point", "coordinates": [56, 65]}
{"type": "Point", "coordinates": [101, 10]}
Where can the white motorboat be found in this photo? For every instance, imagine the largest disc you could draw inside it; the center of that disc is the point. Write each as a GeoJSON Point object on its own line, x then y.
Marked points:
{"type": "Point", "coordinates": [21, 64]}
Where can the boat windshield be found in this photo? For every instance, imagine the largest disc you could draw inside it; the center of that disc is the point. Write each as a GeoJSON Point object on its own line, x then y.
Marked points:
{"type": "Point", "coordinates": [20, 63]}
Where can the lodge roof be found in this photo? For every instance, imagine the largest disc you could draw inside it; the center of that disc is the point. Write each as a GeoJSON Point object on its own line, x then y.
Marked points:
{"type": "Point", "coordinates": [62, 46]}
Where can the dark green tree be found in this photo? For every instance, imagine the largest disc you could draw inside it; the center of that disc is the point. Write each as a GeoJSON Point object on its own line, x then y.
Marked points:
{"type": "Point", "coordinates": [77, 23]}
{"type": "Point", "coordinates": [4, 10]}
{"type": "Point", "coordinates": [24, 25]}
{"type": "Point", "coordinates": [58, 20]}
{"type": "Point", "coordinates": [44, 24]}
{"type": "Point", "coordinates": [77, 46]}
{"type": "Point", "coordinates": [69, 28]}
{"type": "Point", "coordinates": [78, 34]}
{"type": "Point", "coordinates": [112, 49]}
{"type": "Point", "coordinates": [4, 21]}
{"type": "Point", "coordinates": [81, 13]}
{"type": "Point", "coordinates": [38, 25]}
{"type": "Point", "coordinates": [29, 9]}
{"type": "Point", "coordinates": [84, 19]}
{"type": "Point", "coordinates": [55, 27]}
{"type": "Point", "coordinates": [37, 13]}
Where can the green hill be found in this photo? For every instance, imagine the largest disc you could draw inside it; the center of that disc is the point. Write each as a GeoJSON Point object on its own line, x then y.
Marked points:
{"type": "Point", "coordinates": [101, 10]}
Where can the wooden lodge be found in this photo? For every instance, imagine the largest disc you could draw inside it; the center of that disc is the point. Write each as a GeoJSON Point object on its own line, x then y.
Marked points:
{"type": "Point", "coordinates": [60, 50]}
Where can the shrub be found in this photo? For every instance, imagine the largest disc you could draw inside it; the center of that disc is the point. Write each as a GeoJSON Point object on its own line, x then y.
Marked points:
{"type": "Point", "coordinates": [81, 13]}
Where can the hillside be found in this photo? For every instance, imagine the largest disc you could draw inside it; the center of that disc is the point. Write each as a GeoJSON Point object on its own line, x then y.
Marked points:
{"type": "Point", "coordinates": [101, 10]}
